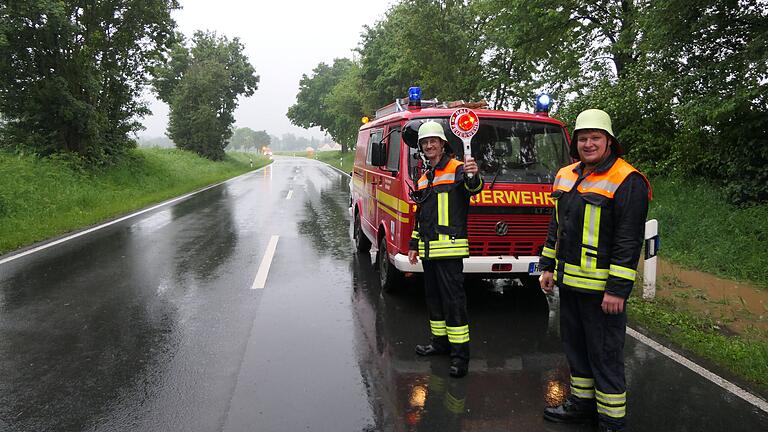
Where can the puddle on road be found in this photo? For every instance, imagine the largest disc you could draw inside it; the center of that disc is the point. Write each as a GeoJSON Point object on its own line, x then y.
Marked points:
{"type": "Point", "coordinates": [737, 305]}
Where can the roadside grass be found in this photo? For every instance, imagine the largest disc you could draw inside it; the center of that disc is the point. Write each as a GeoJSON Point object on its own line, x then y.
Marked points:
{"type": "Point", "coordinates": [342, 161]}
{"type": "Point", "coordinates": [44, 198]}
{"type": "Point", "coordinates": [700, 230]}
{"type": "Point", "coordinates": [745, 356]}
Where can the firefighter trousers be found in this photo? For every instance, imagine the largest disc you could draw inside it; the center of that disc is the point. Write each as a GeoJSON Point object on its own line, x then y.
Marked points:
{"type": "Point", "coordinates": [593, 342]}
{"type": "Point", "coordinates": [447, 303]}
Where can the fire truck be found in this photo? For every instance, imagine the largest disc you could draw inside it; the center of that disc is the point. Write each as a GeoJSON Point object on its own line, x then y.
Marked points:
{"type": "Point", "coordinates": [518, 155]}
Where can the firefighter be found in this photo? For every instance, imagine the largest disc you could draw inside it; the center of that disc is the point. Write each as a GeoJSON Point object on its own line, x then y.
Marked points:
{"type": "Point", "coordinates": [591, 254]}
{"type": "Point", "coordinates": [440, 240]}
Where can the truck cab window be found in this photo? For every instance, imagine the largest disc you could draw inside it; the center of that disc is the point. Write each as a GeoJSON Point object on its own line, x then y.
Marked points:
{"type": "Point", "coordinates": [515, 151]}
{"type": "Point", "coordinates": [375, 137]}
{"type": "Point", "coordinates": [393, 151]}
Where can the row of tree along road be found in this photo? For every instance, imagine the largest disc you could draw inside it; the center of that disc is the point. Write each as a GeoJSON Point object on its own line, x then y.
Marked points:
{"type": "Point", "coordinates": [685, 82]}
{"type": "Point", "coordinates": [72, 74]}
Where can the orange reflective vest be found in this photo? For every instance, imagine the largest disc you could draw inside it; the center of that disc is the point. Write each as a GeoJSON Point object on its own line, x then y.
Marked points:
{"type": "Point", "coordinates": [443, 176]}
{"type": "Point", "coordinates": [604, 184]}
{"type": "Point", "coordinates": [595, 237]}
{"type": "Point", "coordinates": [441, 219]}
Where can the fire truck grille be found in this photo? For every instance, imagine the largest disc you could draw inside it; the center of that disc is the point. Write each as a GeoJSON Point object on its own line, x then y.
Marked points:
{"type": "Point", "coordinates": [525, 234]}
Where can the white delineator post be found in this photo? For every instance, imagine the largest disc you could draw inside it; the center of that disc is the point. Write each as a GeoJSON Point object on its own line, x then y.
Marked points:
{"type": "Point", "coordinates": [649, 265]}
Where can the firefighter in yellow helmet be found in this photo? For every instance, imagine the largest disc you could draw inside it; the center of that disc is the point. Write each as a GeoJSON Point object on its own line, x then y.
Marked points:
{"type": "Point", "coordinates": [440, 239]}
{"type": "Point", "coordinates": [591, 254]}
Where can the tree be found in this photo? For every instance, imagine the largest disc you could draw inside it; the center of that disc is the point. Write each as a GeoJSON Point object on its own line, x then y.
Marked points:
{"type": "Point", "coordinates": [201, 85]}
{"type": "Point", "coordinates": [72, 72]}
{"type": "Point", "coordinates": [247, 138]}
{"type": "Point", "coordinates": [345, 107]}
{"type": "Point", "coordinates": [316, 106]}
{"type": "Point", "coordinates": [242, 138]}
{"type": "Point", "coordinates": [714, 54]}
{"type": "Point", "coordinates": [435, 44]}
{"type": "Point", "coordinates": [262, 139]}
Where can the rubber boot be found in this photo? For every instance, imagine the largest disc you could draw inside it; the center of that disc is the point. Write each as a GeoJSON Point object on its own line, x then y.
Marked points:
{"type": "Point", "coordinates": [438, 345]}
{"type": "Point", "coordinates": [573, 410]}
{"type": "Point", "coordinates": [459, 360]}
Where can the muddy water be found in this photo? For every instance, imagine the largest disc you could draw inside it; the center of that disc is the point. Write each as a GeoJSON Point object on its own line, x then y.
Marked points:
{"type": "Point", "coordinates": [737, 305]}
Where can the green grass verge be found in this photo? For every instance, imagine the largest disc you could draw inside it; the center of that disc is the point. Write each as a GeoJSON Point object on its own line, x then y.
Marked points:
{"type": "Point", "coordinates": [43, 198]}
{"type": "Point", "coordinates": [744, 356]}
{"type": "Point", "coordinates": [700, 230]}
{"type": "Point", "coordinates": [342, 161]}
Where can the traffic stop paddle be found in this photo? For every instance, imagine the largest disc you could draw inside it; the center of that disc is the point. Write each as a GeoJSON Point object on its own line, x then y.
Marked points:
{"type": "Point", "coordinates": [464, 124]}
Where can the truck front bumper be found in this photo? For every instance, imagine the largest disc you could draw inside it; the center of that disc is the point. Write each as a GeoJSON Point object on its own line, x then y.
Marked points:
{"type": "Point", "coordinates": [495, 266]}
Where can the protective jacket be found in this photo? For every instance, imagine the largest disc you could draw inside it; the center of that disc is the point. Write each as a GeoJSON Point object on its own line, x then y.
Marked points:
{"type": "Point", "coordinates": [596, 234]}
{"type": "Point", "coordinates": [441, 218]}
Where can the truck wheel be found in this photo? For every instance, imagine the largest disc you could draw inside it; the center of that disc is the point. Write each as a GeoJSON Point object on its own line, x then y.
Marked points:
{"type": "Point", "coordinates": [389, 276]}
{"type": "Point", "coordinates": [362, 244]}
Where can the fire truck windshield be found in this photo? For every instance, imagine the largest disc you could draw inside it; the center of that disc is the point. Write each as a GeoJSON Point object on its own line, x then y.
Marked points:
{"type": "Point", "coordinates": [513, 151]}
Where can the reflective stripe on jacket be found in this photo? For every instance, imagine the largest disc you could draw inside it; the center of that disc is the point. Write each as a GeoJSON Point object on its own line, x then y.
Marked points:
{"type": "Point", "coordinates": [596, 233]}
{"type": "Point", "coordinates": [441, 219]}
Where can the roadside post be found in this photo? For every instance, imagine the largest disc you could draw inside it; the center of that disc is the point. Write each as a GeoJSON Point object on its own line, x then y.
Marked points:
{"type": "Point", "coordinates": [652, 244]}
{"type": "Point", "coordinates": [464, 124]}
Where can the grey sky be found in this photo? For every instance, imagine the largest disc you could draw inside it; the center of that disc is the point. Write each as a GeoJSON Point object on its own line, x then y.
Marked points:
{"type": "Point", "coordinates": [283, 40]}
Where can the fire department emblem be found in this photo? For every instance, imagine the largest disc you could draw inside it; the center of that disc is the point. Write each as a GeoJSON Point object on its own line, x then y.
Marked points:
{"type": "Point", "coordinates": [501, 228]}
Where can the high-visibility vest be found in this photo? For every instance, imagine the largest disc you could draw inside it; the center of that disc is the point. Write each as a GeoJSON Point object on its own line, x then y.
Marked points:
{"type": "Point", "coordinates": [445, 176]}
{"type": "Point", "coordinates": [586, 265]}
{"type": "Point", "coordinates": [604, 184]}
{"type": "Point", "coordinates": [442, 218]}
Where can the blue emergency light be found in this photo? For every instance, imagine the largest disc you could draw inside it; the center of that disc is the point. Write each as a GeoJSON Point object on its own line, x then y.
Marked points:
{"type": "Point", "coordinates": [414, 96]}
{"type": "Point", "coordinates": [543, 102]}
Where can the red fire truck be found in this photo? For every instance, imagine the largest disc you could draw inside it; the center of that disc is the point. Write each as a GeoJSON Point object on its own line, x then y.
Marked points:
{"type": "Point", "coordinates": [518, 155]}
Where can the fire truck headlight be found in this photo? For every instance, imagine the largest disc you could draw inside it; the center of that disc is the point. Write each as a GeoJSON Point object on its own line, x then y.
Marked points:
{"type": "Point", "coordinates": [543, 102]}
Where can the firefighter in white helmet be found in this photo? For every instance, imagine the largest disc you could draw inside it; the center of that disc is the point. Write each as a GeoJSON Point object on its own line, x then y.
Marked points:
{"type": "Point", "coordinates": [440, 239]}
{"type": "Point", "coordinates": [591, 254]}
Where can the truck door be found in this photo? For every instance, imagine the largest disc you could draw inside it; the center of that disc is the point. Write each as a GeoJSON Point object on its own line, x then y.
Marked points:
{"type": "Point", "coordinates": [387, 186]}
{"type": "Point", "coordinates": [371, 180]}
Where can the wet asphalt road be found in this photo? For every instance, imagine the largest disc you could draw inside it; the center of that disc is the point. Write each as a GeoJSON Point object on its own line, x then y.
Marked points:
{"type": "Point", "coordinates": [151, 324]}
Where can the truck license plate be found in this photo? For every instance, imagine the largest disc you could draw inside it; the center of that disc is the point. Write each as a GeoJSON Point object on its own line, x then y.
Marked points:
{"type": "Point", "coordinates": [533, 269]}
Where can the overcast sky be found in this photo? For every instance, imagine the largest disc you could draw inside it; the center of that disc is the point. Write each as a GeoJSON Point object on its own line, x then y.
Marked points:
{"type": "Point", "coordinates": [283, 39]}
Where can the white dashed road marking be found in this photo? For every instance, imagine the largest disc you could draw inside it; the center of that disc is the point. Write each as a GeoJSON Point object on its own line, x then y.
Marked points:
{"type": "Point", "coordinates": [261, 276]}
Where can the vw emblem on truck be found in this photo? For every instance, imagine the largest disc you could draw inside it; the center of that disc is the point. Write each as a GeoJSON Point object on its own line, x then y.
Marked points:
{"type": "Point", "coordinates": [501, 228]}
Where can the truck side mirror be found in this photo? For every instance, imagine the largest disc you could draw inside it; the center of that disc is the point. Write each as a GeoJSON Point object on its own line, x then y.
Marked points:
{"type": "Point", "coordinates": [411, 133]}
{"type": "Point", "coordinates": [379, 153]}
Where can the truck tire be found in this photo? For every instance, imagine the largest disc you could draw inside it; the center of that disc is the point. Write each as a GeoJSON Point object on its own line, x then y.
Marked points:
{"type": "Point", "coordinates": [389, 276]}
{"type": "Point", "coordinates": [362, 244]}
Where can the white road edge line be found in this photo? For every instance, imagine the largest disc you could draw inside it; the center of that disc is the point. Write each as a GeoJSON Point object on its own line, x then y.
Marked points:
{"type": "Point", "coordinates": [266, 262]}
{"type": "Point", "coordinates": [96, 228]}
{"type": "Point", "coordinates": [716, 379]}
{"type": "Point", "coordinates": [104, 225]}
{"type": "Point", "coordinates": [290, 194]}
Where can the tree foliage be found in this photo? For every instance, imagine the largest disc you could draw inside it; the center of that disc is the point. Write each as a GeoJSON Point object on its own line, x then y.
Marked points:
{"type": "Point", "coordinates": [435, 44]}
{"type": "Point", "coordinates": [72, 71]}
{"type": "Point", "coordinates": [329, 99]}
{"type": "Point", "coordinates": [445, 62]}
{"type": "Point", "coordinates": [715, 53]}
{"type": "Point", "coordinates": [201, 85]}
{"type": "Point", "coordinates": [685, 82]}
{"type": "Point", "coordinates": [247, 138]}
{"type": "Point", "coordinates": [291, 142]}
